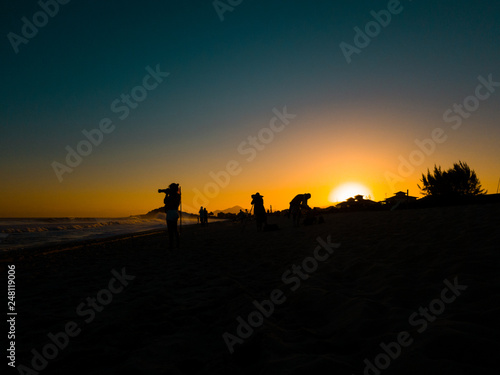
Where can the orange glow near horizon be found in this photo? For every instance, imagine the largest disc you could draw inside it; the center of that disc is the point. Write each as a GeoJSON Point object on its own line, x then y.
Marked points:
{"type": "Point", "coordinates": [277, 192]}
{"type": "Point", "coordinates": [314, 154]}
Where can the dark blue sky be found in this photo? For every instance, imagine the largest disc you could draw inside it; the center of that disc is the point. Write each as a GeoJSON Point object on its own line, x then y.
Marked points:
{"type": "Point", "coordinates": [225, 79]}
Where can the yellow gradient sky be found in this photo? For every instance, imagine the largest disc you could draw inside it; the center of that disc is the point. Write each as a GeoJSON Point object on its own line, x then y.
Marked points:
{"type": "Point", "coordinates": [312, 154]}
{"type": "Point", "coordinates": [222, 82]}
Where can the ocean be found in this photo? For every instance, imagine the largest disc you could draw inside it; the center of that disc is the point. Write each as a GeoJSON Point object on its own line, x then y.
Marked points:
{"type": "Point", "coordinates": [23, 233]}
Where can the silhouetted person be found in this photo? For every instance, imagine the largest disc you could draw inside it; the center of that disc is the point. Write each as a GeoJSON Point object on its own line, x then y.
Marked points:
{"type": "Point", "coordinates": [259, 210]}
{"type": "Point", "coordinates": [201, 217]}
{"type": "Point", "coordinates": [243, 217]}
{"type": "Point", "coordinates": [296, 206]}
{"type": "Point", "coordinates": [205, 216]}
{"type": "Point", "coordinates": [172, 200]}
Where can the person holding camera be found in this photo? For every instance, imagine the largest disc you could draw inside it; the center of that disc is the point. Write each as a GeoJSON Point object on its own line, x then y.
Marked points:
{"type": "Point", "coordinates": [172, 200]}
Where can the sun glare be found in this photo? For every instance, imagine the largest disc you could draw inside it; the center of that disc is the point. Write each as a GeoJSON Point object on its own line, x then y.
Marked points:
{"type": "Point", "coordinates": [348, 190]}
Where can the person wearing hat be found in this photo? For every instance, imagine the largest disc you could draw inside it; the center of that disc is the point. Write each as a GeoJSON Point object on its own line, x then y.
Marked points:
{"type": "Point", "coordinates": [172, 200]}
{"type": "Point", "coordinates": [259, 210]}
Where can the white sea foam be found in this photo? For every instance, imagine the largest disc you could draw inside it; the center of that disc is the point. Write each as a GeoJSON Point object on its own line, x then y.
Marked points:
{"type": "Point", "coordinates": [33, 232]}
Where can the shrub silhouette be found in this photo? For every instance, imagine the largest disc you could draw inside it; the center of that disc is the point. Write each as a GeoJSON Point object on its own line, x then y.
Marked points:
{"type": "Point", "coordinates": [459, 181]}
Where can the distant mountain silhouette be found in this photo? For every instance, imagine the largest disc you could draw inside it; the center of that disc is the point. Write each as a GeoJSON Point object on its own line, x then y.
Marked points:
{"type": "Point", "coordinates": [232, 210]}
{"type": "Point", "coordinates": [161, 210]}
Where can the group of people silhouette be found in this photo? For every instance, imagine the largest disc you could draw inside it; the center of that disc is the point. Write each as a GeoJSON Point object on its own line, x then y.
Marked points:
{"type": "Point", "coordinates": [297, 205]}
{"type": "Point", "coordinates": [172, 201]}
{"type": "Point", "coordinates": [203, 217]}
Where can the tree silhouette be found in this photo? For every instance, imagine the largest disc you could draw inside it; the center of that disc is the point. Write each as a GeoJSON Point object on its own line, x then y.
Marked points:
{"type": "Point", "coordinates": [459, 181]}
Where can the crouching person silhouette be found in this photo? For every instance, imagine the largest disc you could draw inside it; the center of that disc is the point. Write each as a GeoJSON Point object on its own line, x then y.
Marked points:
{"type": "Point", "coordinates": [172, 200]}
{"type": "Point", "coordinates": [296, 205]}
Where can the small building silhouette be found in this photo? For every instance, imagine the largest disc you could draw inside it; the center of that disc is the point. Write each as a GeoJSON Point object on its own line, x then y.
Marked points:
{"type": "Point", "coordinates": [400, 197]}
{"type": "Point", "coordinates": [358, 203]}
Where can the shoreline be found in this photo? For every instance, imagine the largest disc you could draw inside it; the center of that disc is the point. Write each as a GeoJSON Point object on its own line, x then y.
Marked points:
{"type": "Point", "coordinates": [76, 244]}
{"type": "Point", "coordinates": [20, 253]}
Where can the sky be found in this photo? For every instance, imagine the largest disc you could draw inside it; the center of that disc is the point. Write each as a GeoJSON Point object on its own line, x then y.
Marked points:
{"type": "Point", "coordinates": [103, 103]}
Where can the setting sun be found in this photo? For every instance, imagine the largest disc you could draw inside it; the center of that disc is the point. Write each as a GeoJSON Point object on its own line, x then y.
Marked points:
{"type": "Point", "coordinates": [348, 190]}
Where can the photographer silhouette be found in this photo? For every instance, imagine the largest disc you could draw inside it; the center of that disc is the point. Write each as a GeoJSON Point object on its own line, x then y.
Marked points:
{"type": "Point", "coordinates": [172, 200]}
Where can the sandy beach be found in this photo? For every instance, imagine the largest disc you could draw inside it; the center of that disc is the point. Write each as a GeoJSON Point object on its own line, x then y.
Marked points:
{"type": "Point", "coordinates": [388, 292]}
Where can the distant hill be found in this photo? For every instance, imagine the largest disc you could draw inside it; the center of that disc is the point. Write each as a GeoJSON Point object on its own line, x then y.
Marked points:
{"type": "Point", "coordinates": [232, 210]}
{"type": "Point", "coordinates": [161, 210]}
